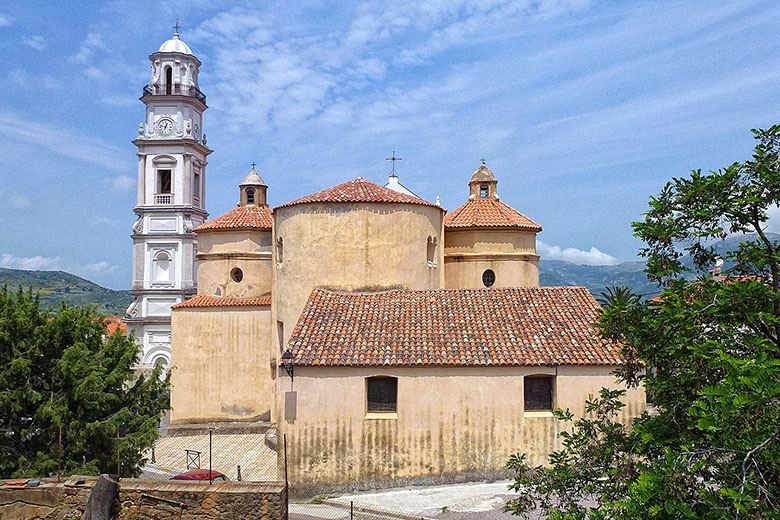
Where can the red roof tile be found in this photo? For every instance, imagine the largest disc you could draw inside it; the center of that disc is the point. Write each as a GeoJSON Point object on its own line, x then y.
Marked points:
{"type": "Point", "coordinates": [114, 324]}
{"type": "Point", "coordinates": [452, 327]}
{"type": "Point", "coordinates": [488, 212]}
{"type": "Point", "coordinates": [204, 300]}
{"type": "Point", "coordinates": [359, 190]}
{"type": "Point", "coordinates": [243, 217]}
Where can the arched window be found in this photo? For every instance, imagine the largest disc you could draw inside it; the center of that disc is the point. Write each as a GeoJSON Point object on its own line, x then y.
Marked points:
{"type": "Point", "coordinates": [432, 242]}
{"type": "Point", "coordinates": [168, 80]}
{"type": "Point", "coordinates": [250, 196]}
{"type": "Point", "coordinates": [162, 267]}
{"type": "Point", "coordinates": [488, 278]}
{"type": "Point", "coordinates": [484, 191]}
{"type": "Point", "coordinates": [279, 250]}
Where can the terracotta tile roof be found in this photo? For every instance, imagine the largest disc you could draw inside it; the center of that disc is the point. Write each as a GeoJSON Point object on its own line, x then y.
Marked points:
{"type": "Point", "coordinates": [359, 190]}
{"type": "Point", "coordinates": [243, 217]}
{"type": "Point", "coordinates": [204, 300]}
{"type": "Point", "coordinates": [453, 327]}
{"type": "Point", "coordinates": [114, 324]}
{"type": "Point", "coordinates": [488, 212]}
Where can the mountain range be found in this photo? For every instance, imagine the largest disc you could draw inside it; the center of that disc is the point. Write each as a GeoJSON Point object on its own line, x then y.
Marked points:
{"type": "Point", "coordinates": [57, 286]}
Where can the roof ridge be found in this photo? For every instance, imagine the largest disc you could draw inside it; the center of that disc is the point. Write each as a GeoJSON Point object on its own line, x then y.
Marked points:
{"type": "Point", "coordinates": [359, 190]}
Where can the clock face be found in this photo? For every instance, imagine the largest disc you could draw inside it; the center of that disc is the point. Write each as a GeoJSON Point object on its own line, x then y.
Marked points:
{"type": "Point", "coordinates": [165, 126]}
{"type": "Point", "coordinates": [196, 131]}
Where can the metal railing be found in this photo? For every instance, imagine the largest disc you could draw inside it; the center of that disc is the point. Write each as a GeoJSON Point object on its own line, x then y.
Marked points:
{"type": "Point", "coordinates": [163, 198]}
{"type": "Point", "coordinates": [175, 90]}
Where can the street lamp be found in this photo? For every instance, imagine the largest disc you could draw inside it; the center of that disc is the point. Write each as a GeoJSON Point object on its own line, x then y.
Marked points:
{"type": "Point", "coordinates": [287, 363]}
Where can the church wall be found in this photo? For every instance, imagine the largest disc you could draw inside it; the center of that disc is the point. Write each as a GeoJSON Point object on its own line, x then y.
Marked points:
{"type": "Point", "coordinates": [352, 247]}
{"type": "Point", "coordinates": [453, 423]}
{"type": "Point", "coordinates": [221, 364]}
{"type": "Point", "coordinates": [221, 252]}
{"type": "Point", "coordinates": [510, 254]}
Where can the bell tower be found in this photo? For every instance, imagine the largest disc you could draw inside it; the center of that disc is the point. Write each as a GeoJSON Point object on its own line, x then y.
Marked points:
{"type": "Point", "coordinates": [172, 159]}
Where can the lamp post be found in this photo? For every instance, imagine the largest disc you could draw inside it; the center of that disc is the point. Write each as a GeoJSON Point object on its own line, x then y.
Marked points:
{"type": "Point", "coordinates": [287, 362]}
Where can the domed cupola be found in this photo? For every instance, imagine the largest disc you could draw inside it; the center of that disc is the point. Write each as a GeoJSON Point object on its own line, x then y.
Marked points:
{"type": "Point", "coordinates": [253, 190]}
{"type": "Point", "coordinates": [175, 44]}
{"type": "Point", "coordinates": [175, 70]}
{"type": "Point", "coordinates": [483, 184]}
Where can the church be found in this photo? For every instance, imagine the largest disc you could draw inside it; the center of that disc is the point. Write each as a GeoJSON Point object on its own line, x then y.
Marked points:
{"type": "Point", "coordinates": [389, 339]}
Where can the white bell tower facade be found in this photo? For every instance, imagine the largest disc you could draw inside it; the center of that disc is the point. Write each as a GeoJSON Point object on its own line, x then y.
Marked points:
{"type": "Point", "coordinates": [172, 158]}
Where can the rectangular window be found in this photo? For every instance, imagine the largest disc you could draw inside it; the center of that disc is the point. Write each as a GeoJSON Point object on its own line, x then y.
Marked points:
{"type": "Point", "coordinates": [163, 181]}
{"type": "Point", "coordinates": [280, 335]}
{"type": "Point", "coordinates": [538, 393]}
{"type": "Point", "coordinates": [196, 187]}
{"type": "Point", "coordinates": [382, 394]}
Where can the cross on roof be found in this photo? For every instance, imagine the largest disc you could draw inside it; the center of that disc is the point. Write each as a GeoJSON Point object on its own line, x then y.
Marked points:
{"type": "Point", "coordinates": [253, 165]}
{"type": "Point", "coordinates": [483, 159]}
{"type": "Point", "coordinates": [177, 26]}
{"type": "Point", "coordinates": [393, 158]}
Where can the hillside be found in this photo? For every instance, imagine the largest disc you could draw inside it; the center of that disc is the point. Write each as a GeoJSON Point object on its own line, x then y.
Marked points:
{"type": "Point", "coordinates": [631, 274]}
{"type": "Point", "coordinates": [57, 286]}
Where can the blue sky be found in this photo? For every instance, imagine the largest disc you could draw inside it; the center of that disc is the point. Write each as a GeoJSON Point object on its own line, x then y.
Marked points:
{"type": "Point", "coordinates": [582, 109]}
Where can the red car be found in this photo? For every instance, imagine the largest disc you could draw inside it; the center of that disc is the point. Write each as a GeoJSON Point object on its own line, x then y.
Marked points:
{"type": "Point", "coordinates": [201, 474]}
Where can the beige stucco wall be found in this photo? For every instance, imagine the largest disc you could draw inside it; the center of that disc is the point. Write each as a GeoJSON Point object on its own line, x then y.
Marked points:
{"type": "Point", "coordinates": [511, 254]}
{"type": "Point", "coordinates": [221, 251]}
{"type": "Point", "coordinates": [352, 247]}
{"type": "Point", "coordinates": [220, 364]}
{"type": "Point", "coordinates": [450, 421]}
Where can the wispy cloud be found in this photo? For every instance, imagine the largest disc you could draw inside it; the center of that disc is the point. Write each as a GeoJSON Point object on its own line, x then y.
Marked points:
{"type": "Point", "coordinates": [86, 51]}
{"type": "Point", "coordinates": [121, 183]}
{"type": "Point", "coordinates": [63, 141]}
{"type": "Point", "coordinates": [19, 201]}
{"type": "Point", "coordinates": [22, 78]}
{"type": "Point", "coordinates": [101, 267]}
{"type": "Point", "coordinates": [5, 20]}
{"type": "Point", "coordinates": [55, 263]}
{"type": "Point", "coordinates": [10, 261]}
{"type": "Point", "coordinates": [574, 255]}
{"type": "Point", "coordinates": [36, 41]}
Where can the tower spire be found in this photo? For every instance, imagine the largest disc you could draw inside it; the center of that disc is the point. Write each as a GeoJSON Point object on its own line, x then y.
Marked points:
{"type": "Point", "coordinates": [176, 28]}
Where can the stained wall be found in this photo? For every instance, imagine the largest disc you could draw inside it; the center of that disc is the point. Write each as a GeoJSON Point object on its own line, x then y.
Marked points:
{"type": "Point", "coordinates": [451, 423]}
{"type": "Point", "coordinates": [222, 251]}
{"type": "Point", "coordinates": [351, 247]}
{"type": "Point", "coordinates": [220, 364]}
{"type": "Point", "coordinates": [510, 254]}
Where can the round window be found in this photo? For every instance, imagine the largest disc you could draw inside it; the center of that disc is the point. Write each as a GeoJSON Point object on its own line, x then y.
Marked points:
{"type": "Point", "coordinates": [237, 274]}
{"type": "Point", "coordinates": [488, 277]}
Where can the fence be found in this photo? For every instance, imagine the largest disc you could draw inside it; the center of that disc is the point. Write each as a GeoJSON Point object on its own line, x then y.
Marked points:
{"type": "Point", "coordinates": [252, 453]}
{"type": "Point", "coordinates": [247, 452]}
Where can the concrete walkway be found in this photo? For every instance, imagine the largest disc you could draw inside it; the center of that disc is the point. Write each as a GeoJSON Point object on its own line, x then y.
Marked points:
{"type": "Point", "coordinates": [480, 500]}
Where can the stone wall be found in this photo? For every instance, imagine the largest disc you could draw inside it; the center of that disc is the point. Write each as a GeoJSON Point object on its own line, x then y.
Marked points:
{"type": "Point", "coordinates": [143, 499]}
{"type": "Point", "coordinates": [198, 500]}
{"type": "Point", "coordinates": [51, 500]}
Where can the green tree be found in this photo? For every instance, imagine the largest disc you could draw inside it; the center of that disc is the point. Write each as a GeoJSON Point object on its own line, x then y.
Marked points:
{"type": "Point", "coordinates": [708, 353]}
{"type": "Point", "coordinates": [62, 370]}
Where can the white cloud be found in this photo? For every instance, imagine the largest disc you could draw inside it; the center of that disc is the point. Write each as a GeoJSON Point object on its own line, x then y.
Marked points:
{"type": "Point", "coordinates": [22, 78]}
{"type": "Point", "coordinates": [4, 20]}
{"type": "Point", "coordinates": [574, 255]}
{"type": "Point", "coordinates": [10, 261]}
{"type": "Point", "coordinates": [101, 267]}
{"type": "Point", "coordinates": [19, 201]}
{"type": "Point", "coordinates": [63, 141]}
{"type": "Point", "coordinates": [36, 41]}
{"type": "Point", "coordinates": [91, 43]}
{"type": "Point", "coordinates": [121, 182]}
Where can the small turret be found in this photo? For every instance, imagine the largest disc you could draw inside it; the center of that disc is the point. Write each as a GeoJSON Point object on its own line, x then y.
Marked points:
{"type": "Point", "coordinates": [253, 190]}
